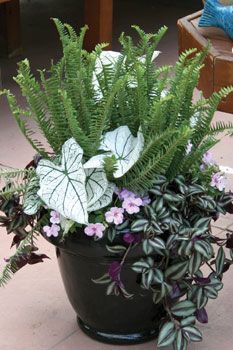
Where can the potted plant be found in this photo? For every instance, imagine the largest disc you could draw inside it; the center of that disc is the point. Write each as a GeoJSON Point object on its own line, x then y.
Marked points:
{"type": "Point", "coordinates": [124, 186]}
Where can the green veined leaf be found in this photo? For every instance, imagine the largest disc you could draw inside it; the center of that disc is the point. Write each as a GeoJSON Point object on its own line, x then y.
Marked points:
{"type": "Point", "coordinates": [220, 259]}
{"type": "Point", "coordinates": [183, 308]}
{"type": "Point", "coordinates": [140, 266]}
{"type": "Point", "coordinates": [180, 342]}
{"type": "Point", "coordinates": [195, 262]}
{"type": "Point", "coordinates": [177, 271]}
{"type": "Point", "coordinates": [188, 321]}
{"type": "Point", "coordinates": [116, 249]}
{"type": "Point", "coordinates": [138, 225]}
{"type": "Point", "coordinates": [167, 334]}
{"type": "Point", "coordinates": [210, 292]}
{"type": "Point", "coordinates": [102, 280]}
{"type": "Point", "coordinates": [204, 248]}
{"type": "Point", "coordinates": [193, 333]}
{"type": "Point", "coordinates": [203, 223]}
{"type": "Point", "coordinates": [158, 276]}
{"type": "Point", "coordinates": [157, 243]}
{"type": "Point", "coordinates": [200, 297]}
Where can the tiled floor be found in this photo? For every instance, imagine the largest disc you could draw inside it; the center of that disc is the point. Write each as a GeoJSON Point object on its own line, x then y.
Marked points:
{"type": "Point", "coordinates": [35, 313]}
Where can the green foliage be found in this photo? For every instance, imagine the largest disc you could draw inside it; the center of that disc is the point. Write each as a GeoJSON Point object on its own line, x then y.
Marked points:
{"type": "Point", "coordinates": [12, 266]}
{"type": "Point", "coordinates": [15, 181]}
{"type": "Point", "coordinates": [84, 95]}
{"type": "Point", "coordinates": [178, 264]}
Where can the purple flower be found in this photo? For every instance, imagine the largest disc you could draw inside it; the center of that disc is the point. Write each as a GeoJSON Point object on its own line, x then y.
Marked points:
{"type": "Point", "coordinates": [114, 271]}
{"type": "Point", "coordinates": [132, 238]}
{"type": "Point", "coordinates": [124, 193]}
{"type": "Point", "coordinates": [51, 230]}
{"type": "Point", "coordinates": [189, 147]}
{"type": "Point", "coordinates": [115, 215]}
{"type": "Point", "coordinates": [55, 217]}
{"type": "Point", "coordinates": [146, 200]}
{"type": "Point", "coordinates": [128, 237]}
{"type": "Point", "coordinates": [208, 159]}
{"type": "Point", "coordinates": [132, 204]}
{"type": "Point", "coordinates": [202, 167]}
{"type": "Point", "coordinates": [94, 230]}
{"type": "Point", "coordinates": [219, 181]}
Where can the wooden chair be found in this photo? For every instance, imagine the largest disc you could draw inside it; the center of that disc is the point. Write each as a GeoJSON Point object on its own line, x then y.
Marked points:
{"type": "Point", "coordinates": [10, 36]}
{"type": "Point", "coordinates": [218, 70]}
{"type": "Point", "coordinates": [98, 16]}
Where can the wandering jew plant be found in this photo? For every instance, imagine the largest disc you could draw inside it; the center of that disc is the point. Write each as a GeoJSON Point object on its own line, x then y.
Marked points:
{"type": "Point", "coordinates": [126, 159]}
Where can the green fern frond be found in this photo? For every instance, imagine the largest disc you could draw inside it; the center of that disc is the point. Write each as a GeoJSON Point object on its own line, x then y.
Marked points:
{"type": "Point", "coordinates": [141, 176]}
{"type": "Point", "coordinates": [15, 181]}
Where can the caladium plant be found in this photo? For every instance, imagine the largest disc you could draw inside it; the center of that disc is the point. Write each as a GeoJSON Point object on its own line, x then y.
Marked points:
{"type": "Point", "coordinates": [127, 158]}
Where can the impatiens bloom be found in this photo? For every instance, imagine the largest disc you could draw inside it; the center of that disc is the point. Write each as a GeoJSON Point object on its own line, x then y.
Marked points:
{"type": "Point", "coordinates": [132, 205]}
{"type": "Point", "coordinates": [55, 217]}
{"type": "Point", "coordinates": [94, 230]}
{"type": "Point", "coordinates": [51, 230]}
{"type": "Point", "coordinates": [208, 159]}
{"type": "Point", "coordinates": [115, 215]}
{"type": "Point", "coordinates": [189, 147]}
{"type": "Point", "coordinates": [219, 181]}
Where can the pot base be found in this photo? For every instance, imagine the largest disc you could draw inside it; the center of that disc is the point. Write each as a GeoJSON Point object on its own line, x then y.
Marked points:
{"type": "Point", "coordinates": [121, 339]}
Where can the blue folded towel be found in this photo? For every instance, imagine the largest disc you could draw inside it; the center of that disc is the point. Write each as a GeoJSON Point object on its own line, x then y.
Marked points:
{"type": "Point", "coordinates": [217, 15]}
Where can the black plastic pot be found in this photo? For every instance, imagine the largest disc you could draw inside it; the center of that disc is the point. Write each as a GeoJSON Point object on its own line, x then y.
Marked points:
{"type": "Point", "coordinates": [110, 319]}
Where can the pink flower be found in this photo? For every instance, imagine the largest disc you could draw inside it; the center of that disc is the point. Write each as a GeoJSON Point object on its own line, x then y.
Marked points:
{"type": "Point", "coordinates": [208, 159]}
{"type": "Point", "coordinates": [115, 215]}
{"type": "Point", "coordinates": [219, 181]}
{"type": "Point", "coordinates": [51, 230]}
{"type": "Point", "coordinates": [189, 147]}
{"type": "Point", "coordinates": [132, 204]}
{"type": "Point", "coordinates": [94, 230]}
{"type": "Point", "coordinates": [55, 217]}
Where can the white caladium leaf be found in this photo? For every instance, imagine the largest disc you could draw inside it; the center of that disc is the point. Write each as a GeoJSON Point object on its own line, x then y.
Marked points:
{"type": "Point", "coordinates": [123, 145]}
{"type": "Point", "coordinates": [105, 200]}
{"type": "Point", "coordinates": [62, 187]}
{"type": "Point", "coordinates": [31, 200]}
{"type": "Point", "coordinates": [96, 184]}
{"type": "Point", "coordinates": [105, 58]}
{"type": "Point", "coordinates": [96, 161]}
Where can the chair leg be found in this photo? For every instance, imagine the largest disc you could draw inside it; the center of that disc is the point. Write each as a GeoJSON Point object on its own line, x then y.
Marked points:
{"type": "Point", "coordinates": [10, 36]}
{"type": "Point", "coordinates": [99, 18]}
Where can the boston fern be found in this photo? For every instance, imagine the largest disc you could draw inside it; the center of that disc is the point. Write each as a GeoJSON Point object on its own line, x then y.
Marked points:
{"type": "Point", "coordinates": [124, 155]}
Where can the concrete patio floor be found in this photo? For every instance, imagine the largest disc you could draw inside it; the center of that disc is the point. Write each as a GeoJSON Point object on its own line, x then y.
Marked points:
{"type": "Point", "coordinates": [35, 312]}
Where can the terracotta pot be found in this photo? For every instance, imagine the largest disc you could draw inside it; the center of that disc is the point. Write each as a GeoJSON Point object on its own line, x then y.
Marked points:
{"type": "Point", "coordinates": [111, 319]}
